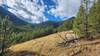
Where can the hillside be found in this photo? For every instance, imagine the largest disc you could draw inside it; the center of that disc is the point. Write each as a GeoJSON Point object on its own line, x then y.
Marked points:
{"type": "Point", "coordinates": [77, 36]}
{"type": "Point", "coordinates": [21, 32]}
{"type": "Point", "coordinates": [47, 46]}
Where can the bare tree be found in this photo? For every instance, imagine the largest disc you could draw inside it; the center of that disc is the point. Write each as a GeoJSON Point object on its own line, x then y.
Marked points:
{"type": "Point", "coordinates": [68, 40]}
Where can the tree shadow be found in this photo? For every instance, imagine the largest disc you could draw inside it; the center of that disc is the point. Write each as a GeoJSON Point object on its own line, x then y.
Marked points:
{"type": "Point", "coordinates": [21, 53]}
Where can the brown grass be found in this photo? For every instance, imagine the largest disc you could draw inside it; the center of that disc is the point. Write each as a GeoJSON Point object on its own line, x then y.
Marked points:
{"type": "Point", "coordinates": [48, 47]}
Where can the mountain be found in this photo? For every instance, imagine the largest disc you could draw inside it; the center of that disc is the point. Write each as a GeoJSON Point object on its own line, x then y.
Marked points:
{"type": "Point", "coordinates": [37, 11]}
{"type": "Point", "coordinates": [13, 17]}
{"type": "Point", "coordinates": [23, 31]}
{"type": "Point", "coordinates": [20, 24]}
{"type": "Point", "coordinates": [17, 21]}
{"type": "Point", "coordinates": [28, 11]}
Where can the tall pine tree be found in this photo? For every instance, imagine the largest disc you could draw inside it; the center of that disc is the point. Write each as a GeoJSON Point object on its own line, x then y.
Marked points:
{"type": "Point", "coordinates": [91, 21]}
{"type": "Point", "coordinates": [5, 31]}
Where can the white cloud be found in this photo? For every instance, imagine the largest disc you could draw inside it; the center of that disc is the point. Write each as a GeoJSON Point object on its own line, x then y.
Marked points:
{"type": "Point", "coordinates": [30, 10]}
{"type": "Point", "coordinates": [65, 8]}
{"type": "Point", "coordinates": [1, 2]}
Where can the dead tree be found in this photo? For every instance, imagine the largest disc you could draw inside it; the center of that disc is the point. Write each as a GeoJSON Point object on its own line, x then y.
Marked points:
{"type": "Point", "coordinates": [68, 40]}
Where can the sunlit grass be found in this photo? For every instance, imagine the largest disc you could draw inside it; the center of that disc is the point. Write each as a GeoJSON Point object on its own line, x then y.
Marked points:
{"type": "Point", "coordinates": [48, 46]}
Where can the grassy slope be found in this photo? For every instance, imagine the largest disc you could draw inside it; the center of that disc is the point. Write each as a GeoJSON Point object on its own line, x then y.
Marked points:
{"type": "Point", "coordinates": [48, 46]}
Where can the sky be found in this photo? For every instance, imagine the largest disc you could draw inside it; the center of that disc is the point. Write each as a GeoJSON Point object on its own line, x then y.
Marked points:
{"type": "Point", "coordinates": [37, 11]}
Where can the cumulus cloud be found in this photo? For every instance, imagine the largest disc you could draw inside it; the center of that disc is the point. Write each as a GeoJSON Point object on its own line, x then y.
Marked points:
{"type": "Point", "coordinates": [1, 2]}
{"type": "Point", "coordinates": [30, 10]}
{"type": "Point", "coordinates": [33, 10]}
{"type": "Point", "coordinates": [65, 8]}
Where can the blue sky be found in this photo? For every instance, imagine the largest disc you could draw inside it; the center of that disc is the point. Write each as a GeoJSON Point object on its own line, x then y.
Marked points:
{"type": "Point", "coordinates": [36, 11]}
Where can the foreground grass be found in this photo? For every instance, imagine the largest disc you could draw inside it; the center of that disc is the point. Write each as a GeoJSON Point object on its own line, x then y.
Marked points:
{"type": "Point", "coordinates": [47, 46]}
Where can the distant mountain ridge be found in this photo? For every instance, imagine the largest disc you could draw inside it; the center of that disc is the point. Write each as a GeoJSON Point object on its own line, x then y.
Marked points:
{"type": "Point", "coordinates": [13, 17]}
{"type": "Point", "coordinates": [21, 25]}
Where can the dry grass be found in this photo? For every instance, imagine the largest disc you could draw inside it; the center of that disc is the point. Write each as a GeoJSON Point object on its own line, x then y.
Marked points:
{"type": "Point", "coordinates": [47, 46]}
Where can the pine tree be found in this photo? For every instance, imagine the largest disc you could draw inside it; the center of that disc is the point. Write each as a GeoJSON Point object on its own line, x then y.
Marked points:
{"type": "Point", "coordinates": [78, 24]}
{"type": "Point", "coordinates": [94, 20]}
{"type": "Point", "coordinates": [87, 22]}
{"type": "Point", "coordinates": [5, 31]}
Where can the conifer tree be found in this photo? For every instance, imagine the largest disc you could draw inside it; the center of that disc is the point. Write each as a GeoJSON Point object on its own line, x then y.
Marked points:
{"type": "Point", "coordinates": [5, 31]}
{"type": "Point", "coordinates": [86, 26]}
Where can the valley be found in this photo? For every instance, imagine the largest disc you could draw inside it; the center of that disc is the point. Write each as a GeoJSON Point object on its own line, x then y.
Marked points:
{"type": "Point", "coordinates": [49, 28]}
